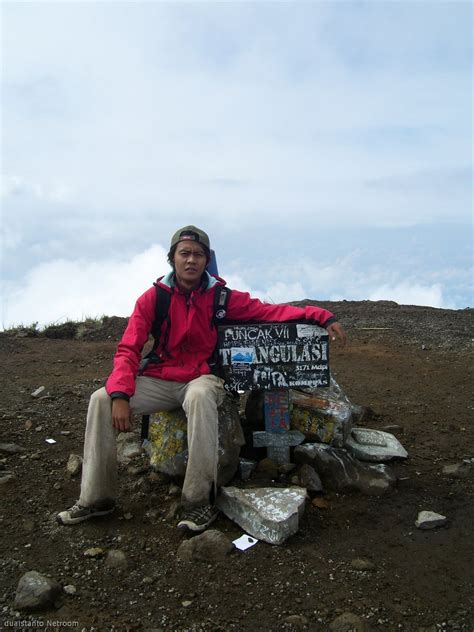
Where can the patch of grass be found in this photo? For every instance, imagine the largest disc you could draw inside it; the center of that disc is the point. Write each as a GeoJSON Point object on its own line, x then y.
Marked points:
{"type": "Point", "coordinates": [90, 325]}
{"type": "Point", "coordinates": [23, 331]}
{"type": "Point", "coordinates": [99, 328]}
{"type": "Point", "coordinates": [66, 330]}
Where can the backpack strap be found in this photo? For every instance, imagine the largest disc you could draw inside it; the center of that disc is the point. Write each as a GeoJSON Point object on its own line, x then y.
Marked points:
{"type": "Point", "coordinates": [162, 306]}
{"type": "Point", "coordinates": [221, 299]}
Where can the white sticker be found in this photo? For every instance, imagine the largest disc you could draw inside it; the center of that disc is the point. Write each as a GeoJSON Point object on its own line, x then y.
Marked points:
{"type": "Point", "coordinates": [244, 542]}
{"type": "Point", "coordinates": [50, 441]}
{"type": "Point", "coordinates": [305, 330]}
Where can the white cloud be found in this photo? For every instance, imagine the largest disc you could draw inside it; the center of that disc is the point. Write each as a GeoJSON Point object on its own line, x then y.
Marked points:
{"type": "Point", "coordinates": [61, 290]}
{"type": "Point", "coordinates": [75, 289]}
{"type": "Point", "coordinates": [281, 292]}
{"type": "Point", "coordinates": [410, 294]}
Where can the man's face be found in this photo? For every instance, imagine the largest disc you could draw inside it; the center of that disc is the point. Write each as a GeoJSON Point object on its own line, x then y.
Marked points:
{"type": "Point", "coordinates": [189, 262]}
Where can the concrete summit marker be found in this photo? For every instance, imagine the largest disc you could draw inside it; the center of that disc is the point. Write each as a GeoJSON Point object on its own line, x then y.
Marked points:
{"type": "Point", "coordinates": [277, 437]}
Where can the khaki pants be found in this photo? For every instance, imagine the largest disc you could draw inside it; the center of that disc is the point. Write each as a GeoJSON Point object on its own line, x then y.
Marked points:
{"type": "Point", "coordinates": [199, 399]}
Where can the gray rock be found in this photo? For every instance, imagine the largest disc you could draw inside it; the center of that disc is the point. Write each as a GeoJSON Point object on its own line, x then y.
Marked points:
{"type": "Point", "coordinates": [116, 559]}
{"type": "Point", "coordinates": [11, 448]}
{"type": "Point", "coordinates": [297, 620]}
{"type": "Point", "coordinates": [167, 442]}
{"type": "Point", "coordinates": [267, 468]}
{"type": "Point", "coordinates": [286, 468]}
{"type": "Point", "coordinates": [430, 520]}
{"type": "Point", "coordinates": [322, 414]}
{"type": "Point", "coordinates": [173, 511]}
{"type": "Point", "coordinates": [128, 447]}
{"type": "Point", "coordinates": [359, 413]}
{"type": "Point", "coordinates": [174, 490]}
{"type": "Point", "coordinates": [393, 429]}
{"type": "Point", "coordinates": [381, 481]}
{"type": "Point", "coordinates": [39, 391]}
{"type": "Point", "coordinates": [246, 468]}
{"type": "Point", "coordinates": [36, 592]}
{"type": "Point", "coordinates": [74, 465]}
{"type": "Point", "coordinates": [138, 470]}
{"type": "Point", "coordinates": [458, 470]}
{"type": "Point", "coordinates": [309, 478]}
{"type": "Point", "coordinates": [342, 472]}
{"type": "Point", "coordinates": [362, 564]}
{"type": "Point", "coordinates": [70, 589]}
{"type": "Point", "coordinates": [7, 479]}
{"type": "Point", "coordinates": [94, 552]}
{"type": "Point", "coordinates": [348, 622]}
{"type": "Point", "coordinates": [267, 513]}
{"type": "Point", "coordinates": [212, 545]}
{"type": "Point", "coordinates": [374, 445]}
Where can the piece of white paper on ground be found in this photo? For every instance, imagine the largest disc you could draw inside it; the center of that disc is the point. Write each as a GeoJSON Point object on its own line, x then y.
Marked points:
{"type": "Point", "coordinates": [50, 441]}
{"type": "Point", "coordinates": [244, 542]}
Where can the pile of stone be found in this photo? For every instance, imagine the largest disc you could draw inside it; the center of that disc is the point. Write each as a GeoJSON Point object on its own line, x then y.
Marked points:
{"type": "Point", "coordinates": [266, 496]}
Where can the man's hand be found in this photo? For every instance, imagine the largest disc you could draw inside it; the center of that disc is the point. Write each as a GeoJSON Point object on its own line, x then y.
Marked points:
{"type": "Point", "coordinates": [121, 415]}
{"type": "Point", "coordinates": [336, 331]}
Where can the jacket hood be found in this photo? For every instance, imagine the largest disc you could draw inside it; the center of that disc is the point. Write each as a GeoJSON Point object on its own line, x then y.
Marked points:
{"type": "Point", "coordinates": [208, 281]}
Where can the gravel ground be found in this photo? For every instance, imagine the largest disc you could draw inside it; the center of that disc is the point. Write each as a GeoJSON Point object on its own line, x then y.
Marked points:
{"type": "Point", "coordinates": [411, 366]}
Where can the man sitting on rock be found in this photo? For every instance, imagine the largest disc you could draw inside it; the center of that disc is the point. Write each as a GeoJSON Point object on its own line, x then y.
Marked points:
{"type": "Point", "coordinates": [181, 377]}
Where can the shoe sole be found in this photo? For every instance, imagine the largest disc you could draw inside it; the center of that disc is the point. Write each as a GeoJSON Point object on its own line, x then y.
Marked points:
{"type": "Point", "coordinates": [70, 521]}
{"type": "Point", "coordinates": [192, 526]}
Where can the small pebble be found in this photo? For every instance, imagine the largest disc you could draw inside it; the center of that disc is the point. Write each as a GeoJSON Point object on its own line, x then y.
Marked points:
{"type": "Point", "coordinates": [362, 564]}
{"type": "Point", "coordinates": [297, 620]}
{"type": "Point", "coordinates": [430, 520]}
{"type": "Point", "coordinates": [38, 391]}
{"type": "Point", "coordinates": [94, 552]}
{"type": "Point", "coordinates": [70, 589]}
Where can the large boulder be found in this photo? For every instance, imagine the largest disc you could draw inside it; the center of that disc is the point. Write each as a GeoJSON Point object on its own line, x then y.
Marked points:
{"type": "Point", "coordinates": [267, 513]}
{"type": "Point", "coordinates": [128, 447]}
{"type": "Point", "coordinates": [167, 441]}
{"type": "Point", "coordinates": [374, 445]}
{"type": "Point", "coordinates": [212, 545]}
{"type": "Point", "coordinates": [36, 592]}
{"type": "Point", "coordinates": [321, 414]}
{"type": "Point", "coordinates": [342, 472]}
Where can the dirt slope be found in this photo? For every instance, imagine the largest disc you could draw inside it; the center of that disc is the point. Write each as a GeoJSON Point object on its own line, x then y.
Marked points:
{"type": "Point", "coordinates": [412, 366]}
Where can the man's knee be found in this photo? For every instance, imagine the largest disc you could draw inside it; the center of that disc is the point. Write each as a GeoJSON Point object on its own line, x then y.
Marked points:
{"type": "Point", "coordinates": [199, 393]}
{"type": "Point", "coordinates": [202, 392]}
{"type": "Point", "coordinates": [100, 396]}
{"type": "Point", "coordinates": [100, 402]}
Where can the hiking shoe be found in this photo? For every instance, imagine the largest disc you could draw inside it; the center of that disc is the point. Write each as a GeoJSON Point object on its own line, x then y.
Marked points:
{"type": "Point", "coordinates": [198, 518]}
{"type": "Point", "coordinates": [78, 513]}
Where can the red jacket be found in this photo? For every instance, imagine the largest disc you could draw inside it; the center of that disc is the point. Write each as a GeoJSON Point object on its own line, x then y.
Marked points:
{"type": "Point", "coordinates": [192, 337]}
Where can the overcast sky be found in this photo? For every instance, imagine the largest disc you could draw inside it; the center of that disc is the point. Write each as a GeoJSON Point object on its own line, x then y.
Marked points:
{"type": "Point", "coordinates": [326, 147]}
